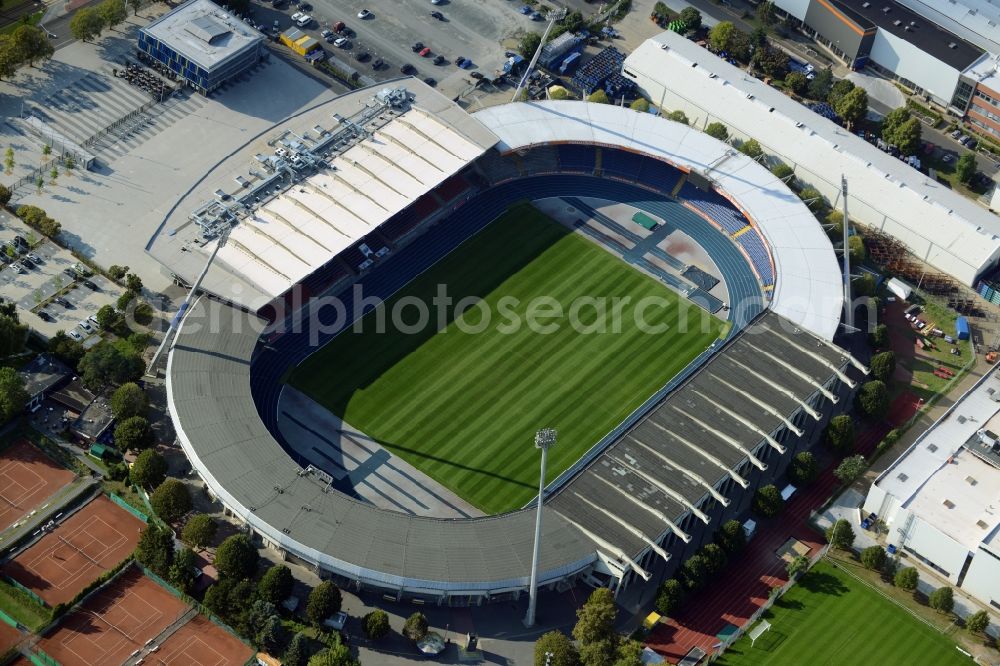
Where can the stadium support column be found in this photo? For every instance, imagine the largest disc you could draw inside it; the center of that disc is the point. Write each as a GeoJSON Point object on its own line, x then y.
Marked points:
{"type": "Point", "coordinates": [543, 440]}
{"type": "Point", "coordinates": [848, 305]}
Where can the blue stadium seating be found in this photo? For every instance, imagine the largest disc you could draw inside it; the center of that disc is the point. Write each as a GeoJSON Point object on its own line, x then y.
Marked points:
{"type": "Point", "coordinates": [541, 159]}
{"type": "Point", "coordinates": [754, 246]}
{"type": "Point", "coordinates": [715, 207]}
{"type": "Point", "coordinates": [620, 164]}
{"type": "Point", "coordinates": [658, 175]}
{"type": "Point", "coordinates": [576, 158]}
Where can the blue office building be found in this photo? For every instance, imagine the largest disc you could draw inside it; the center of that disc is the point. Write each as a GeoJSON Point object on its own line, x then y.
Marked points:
{"type": "Point", "coordinates": [203, 44]}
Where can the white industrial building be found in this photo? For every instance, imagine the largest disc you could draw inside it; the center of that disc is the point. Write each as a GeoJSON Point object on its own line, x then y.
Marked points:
{"type": "Point", "coordinates": [941, 499]}
{"type": "Point", "coordinates": [940, 227]}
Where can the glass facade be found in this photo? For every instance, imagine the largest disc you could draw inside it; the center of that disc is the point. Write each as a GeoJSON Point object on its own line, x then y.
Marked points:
{"type": "Point", "coordinates": [202, 79]}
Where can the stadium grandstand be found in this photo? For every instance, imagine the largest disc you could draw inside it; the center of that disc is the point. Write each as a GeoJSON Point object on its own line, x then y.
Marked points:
{"type": "Point", "coordinates": [642, 498]}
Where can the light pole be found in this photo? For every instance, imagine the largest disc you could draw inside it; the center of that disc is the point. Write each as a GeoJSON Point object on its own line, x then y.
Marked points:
{"type": "Point", "coordinates": [543, 440]}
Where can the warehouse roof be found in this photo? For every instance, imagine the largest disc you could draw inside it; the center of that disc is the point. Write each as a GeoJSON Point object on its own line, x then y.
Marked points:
{"type": "Point", "coordinates": [973, 20]}
{"type": "Point", "coordinates": [807, 288]}
{"type": "Point", "coordinates": [938, 225]}
{"type": "Point", "coordinates": [203, 32]}
{"type": "Point", "coordinates": [666, 466]}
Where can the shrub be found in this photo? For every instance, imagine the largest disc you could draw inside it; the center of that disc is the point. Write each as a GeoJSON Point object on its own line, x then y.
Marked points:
{"type": "Point", "coordinates": [977, 622]}
{"type": "Point", "coordinates": [641, 105]}
{"type": "Point", "coordinates": [751, 148]}
{"type": "Point", "coordinates": [717, 130]}
{"type": "Point", "coordinates": [906, 579]}
{"type": "Point", "coordinates": [599, 97]}
{"type": "Point", "coordinates": [873, 398]}
{"type": "Point", "coordinates": [840, 433]}
{"type": "Point", "coordinates": [782, 170]}
{"type": "Point", "coordinates": [199, 530]}
{"type": "Point", "coordinates": [415, 626]}
{"type": "Point", "coordinates": [942, 600]}
{"type": "Point", "coordinates": [850, 469]}
{"type": "Point", "coordinates": [555, 649]}
{"type": "Point", "coordinates": [669, 597]}
{"type": "Point", "coordinates": [840, 535]}
{"type": "Point", "coordinates": [679, 117]}
{"type": "Point", "coordinates": [324, 600]}
{"type": "Point", "coordinates": [802, 471]}
{"type": "Point", "coordinates": [873, 558]}
{"type": "Point", "coordinates": [880, 337]}
{"type": "Point", "coordinates": [767, 501]}
{"type": "Point", "coordinates": [376, 624]}
{"type": "Point", "coordinates": [883, 365]}
{"type": "Point", "coordinates": [171, 500]}
{"type": "Point", "coordinates": [276, 584]}
{"type": "Point", "coordinates": [797, 82]}
{"type": "Point", "coordinates": [798, 565]}
{"type": "Point", "coordinates": [731, 537]}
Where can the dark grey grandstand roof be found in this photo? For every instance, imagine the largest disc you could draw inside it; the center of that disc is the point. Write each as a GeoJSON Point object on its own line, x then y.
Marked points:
{"type": "Point", "coordinates": [220, 430]}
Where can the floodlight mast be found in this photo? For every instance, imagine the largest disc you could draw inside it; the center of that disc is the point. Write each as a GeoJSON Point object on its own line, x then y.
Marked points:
{"type": "Point", "coordinates": [553, 16]}
{"type": "Point", "coordinates": [848, 305]}
{"type": "Point", "coordinates": [176, 320]}
{"type": "Point", "coordinates": [543, 440]}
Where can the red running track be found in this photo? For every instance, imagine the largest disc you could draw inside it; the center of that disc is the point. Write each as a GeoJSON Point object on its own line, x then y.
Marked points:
{"type": "Point", "coordinates": [745, 584]}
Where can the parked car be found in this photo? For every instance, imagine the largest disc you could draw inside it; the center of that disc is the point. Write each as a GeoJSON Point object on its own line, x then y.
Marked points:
{"type": "Point", "coordinates": [73, 333]}
{"type": "Point", "coordinates": [89, 285]}
{"type": "Point", "coordinates": [16, 267]}
{"type": "Point", "coordinates": [407, 69]}
{"type": "Point", "coordinates": [305, 6]}
{"type": "Point", "coordinates": [63, 302]}
{"type": "Point", "coordinates": [45, 316]}
{"type": "Point", "coordinates": [364, 14]}
{"type": "Point", "coordinates": [362, 56]}
{"type": "Point", "coordinates": [964, 139]}
{"type": "Point", "coordinates": [87, 326]}
{"type": "Point", "coordinates": [956, 134]}
{"type": "Point", "coordinates": [439, 59]}
{"type": "Point", "coordinates": [424, 52]}
{"type": "Point", "coordinates": [328, 35]}
{"type": "Point", "coordinates": [417, 47]}
{"type": "Point", "coordinates": [70, 272]}
{"type": "Point", "coordinates": [431, 82]}
{"type": "Point", "coordinates": [341, 42]}
{"type": "Point", "coordinates": [438, 15]}
{"type": "Point", "coordinates": [27, 263]}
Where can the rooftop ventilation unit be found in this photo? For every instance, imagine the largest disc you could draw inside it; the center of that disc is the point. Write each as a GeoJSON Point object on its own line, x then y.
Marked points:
{"type": "Point", "coordinates": [932, 448]}
{"type": "Point", "coordinates": [952, 45]}
{"type": "Point", "coordinates": [902, 477]}
{"type": "Point", "coordinates": [866, 5]}
{"type": "Point", "coordinates": [885, 10]}
{"type": "Point", "coordinates": [897, 23]}
{"type": "Point", "coordinates": [948, 504]}
{"type": "Point", "coordinates": [971, 480]}
{"type": "Point", "coordinates": [982, 524]}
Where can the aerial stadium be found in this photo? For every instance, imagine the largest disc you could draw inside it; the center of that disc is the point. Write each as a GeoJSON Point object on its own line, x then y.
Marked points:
{"type": "Point", "coordinates": [399, 457]}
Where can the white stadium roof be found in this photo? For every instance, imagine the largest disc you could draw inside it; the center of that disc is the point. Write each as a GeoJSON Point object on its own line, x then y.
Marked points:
{"type": "Point", "coordinates": [941, 227]}
{"type": "Point", "coordinates": [807, 288]}
{"type": "Point", "coordinates": [299, 231]}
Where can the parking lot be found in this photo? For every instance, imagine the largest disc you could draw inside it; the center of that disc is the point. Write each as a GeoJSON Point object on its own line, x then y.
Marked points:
{"type": "Point", "coordinates": [472, 30]}
{"type": "Point", "coordinates": [34, 290]}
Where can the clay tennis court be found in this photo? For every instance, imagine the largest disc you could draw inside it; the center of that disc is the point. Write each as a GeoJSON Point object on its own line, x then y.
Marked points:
{"type": "Point", "coordinates": [114, 623]}
{"type": "Point", "coordinates": [75, 553]}
{"type": "Point", "coordinates": [27, 478]}
{"type": "Point", "coordinates": [200, 643]}
{"type": "Point", "coordinates": [9, 637]}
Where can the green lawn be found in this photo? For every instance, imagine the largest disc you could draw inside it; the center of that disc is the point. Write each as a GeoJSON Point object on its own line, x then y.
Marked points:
{"type": "Point", "coordinates": [463, 407]}
{"type": "Point", "coordinates": [831, 618]}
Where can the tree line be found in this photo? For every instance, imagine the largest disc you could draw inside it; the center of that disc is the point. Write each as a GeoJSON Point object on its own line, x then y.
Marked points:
{"type": "Point", "coordinates": [25, 46]}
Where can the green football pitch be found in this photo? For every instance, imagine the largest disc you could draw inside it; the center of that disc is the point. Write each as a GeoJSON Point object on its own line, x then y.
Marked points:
{"type": "Point", "coordinates": [831, 618]}
{"type": "Point", "coordinates": [463, 405]}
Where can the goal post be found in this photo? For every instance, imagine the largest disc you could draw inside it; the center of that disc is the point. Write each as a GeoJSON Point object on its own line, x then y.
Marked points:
{"type": "Point", "coordinates": [756, 632]}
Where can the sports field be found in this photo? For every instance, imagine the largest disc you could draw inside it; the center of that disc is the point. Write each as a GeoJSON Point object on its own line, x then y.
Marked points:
{"type": "Point", "coordinates": [831, 618]}
{"type": "Point", "coordinates": [462, 405]}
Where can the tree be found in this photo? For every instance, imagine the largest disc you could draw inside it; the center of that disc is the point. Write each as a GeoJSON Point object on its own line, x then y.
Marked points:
{"type": "Point", "coordinates": [853, 106]}
{"type": "Point", "coordinates": [237, 557]}
{"type": "Point", "coordinates": [840, 433]}
{"type": "Point", "coordinates": [182, 571]}
{"type": "Point", "coordinates": [714, 556]}
{"type": "Point", "coordinates": [13, 333]}
{"type": "Point", "coordinates": [108, 318]}
{"type": "Point", "coordinates": [873, 398]}
{"type": "Point", "coordinates": [718, 131]}
{"type": "Point", "coordinates": [721, 35]}
{"type": "Point", "coordinates": [695, 571]}
{"type": "Point", "coordinates": [741, 46]}
{"type": "Point", "coordinates": [883, 365]}
{"type": "Point", "coordinates": [375, 624]}
{"type": "Point", "coordinates": [691, 18]}
{"type": "Point", "coordinates": [873, 557]}
{"type": "Point", "coordinates": [840, 535]}
{"type": "Point", "coordinates": [977, 622]}
{"type": "Point", "coordinates": [217, 596]}
{"type": "Point", "coordinates": [802, 471]}
{"type": "Point", "coordinates": [129, 400]}
{"type": "Point", "coordinates": [104, 365]}
{"type": "Point", "coordinates": [171, 500]}
{"type": "Point", "coordinates": [134, 434]}
{"type": "Point", "coordinates": [598, 97]}
{"type": "Point", "coordinates": [337, 654]}
{"type": "Point", "coordinates": [629, 653]}
{"type": "Point", "coordinates": [965, 168]}
{"type": "Point", "coordinates": [797, 82]}
{"type": "Point", "coordinates": [798, 565]}
{"type": "Point", "coordinates": [53, 174]}
{"type": "Point", "coordinates": [149, 469]}
{"type": "Point", "coordinates": [595, 620]}
{"type": "Point", "coordinates": [112, 12]}
{"type": "Point", "coordinates": [155, 549]}
{"type": "Point", "coordinates": [66, 348]}
{"type": "Point", "coordinates": [124, 300]}
{"type": "Point", "coordinates": [554, 648]}
{"type": "Point", "coordinates": [86, 24]}
{"type": "Point", "coordinates": [880, 337]}
{"type": "Point", "coordinates": [529, 44]}
{"type": "Point", "coordinates": [5, 195]}
{"type": "Point", "coordinates": [199, 531]}
{"type": "Point", "coordinates": [892, 121]}
{"type": "Point", "coordinates": [731, 536]}
{"type": "Point", "coordinates": [273, 636]}
{"type": "Point", "coordinates": [297, 653]}
{"type": "Point", "coordinates": [767, 501]}
{"type": "Point", "coordinates": [117, 272]}
{"type": "Point", "coordinates": [558, 92]}
{"type": "Point", "coordinates": [679, 117]}
{"type": "Point", "coordinates": [811, 196]}
{"type": "Point", "coordinates": [8, 160]}
{"type": "Point", "coordinates": [819, 87]}
{"type": "Point", "coordinates": [901, 129]}
{"type": "Point", "coordinates": [641, 105]}
{"type": "Point", "coordinates": [751, 148]}
{"type": "Point", "coordinates": [32, 44]}
{"type": "Point", "coordinates": [838, 90]}
{"type": "Point", "coordinates": [906, 579]}
{"type": "Point", "coordinates": [324, 600]}
{"type": "Point", "coordinates": [416, 627]}
{"type": "Point", "coordinates": [850, 469]}
{"type": "Point", "coordinates": [942, 599]}
{"type": "Point", "coordinates": [669, 597]}
{"type": "Point", "coordinates": [276, 584]}
{"type": "Point", "coordinates": [133, 283]}
{"type": "Point", "coordinates": [69, 163]}
{"type": "Point", "coordinates": [765, 12]}
{"type": "Point", "coordinates": [13, 396]}
{"type": "Point", "coordinates": [773, 62]}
